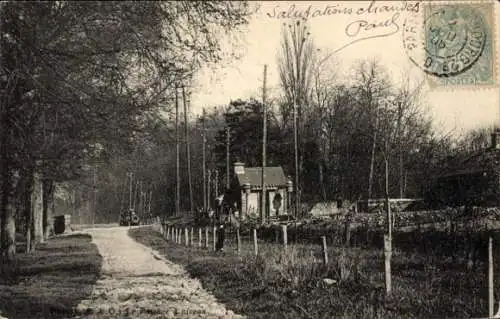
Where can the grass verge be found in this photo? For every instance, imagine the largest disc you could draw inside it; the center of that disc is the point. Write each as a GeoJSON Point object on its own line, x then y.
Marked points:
{"type": "Point", "coordinates": [292, 285]}
{"type": "Point", "coordinates": [51, 281]}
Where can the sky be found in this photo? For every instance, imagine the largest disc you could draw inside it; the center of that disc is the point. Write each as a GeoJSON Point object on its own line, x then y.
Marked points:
{"type": "Point", "coordinates": [337, 28]}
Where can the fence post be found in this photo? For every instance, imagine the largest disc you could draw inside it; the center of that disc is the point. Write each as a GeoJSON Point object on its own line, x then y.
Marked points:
{"type": "Point", "coordinates": [490, 278]}
{"type": "Point", "coordinates": [387, 255]}
{"type": "Point", "coordinates": [325, 250]}
{"type": "Point", "coordinates": [206, 237]}
{"type": "Point", "coordinates": [191, 239]}
{"type": "Point", "coordinates": [285, 237]}
{"type": "Point", "coordinates": [255, 247]}
{"type": "Point", "coordinates": [214, 236]}
{"type": "Point", "coordinates": [199, 236]}
{"type": "Point", "coordinates": [238, 240]}
{"type": "Point", "coordinates": [167, 233]}
{"type": "Point", "coordinates": [186, 233]}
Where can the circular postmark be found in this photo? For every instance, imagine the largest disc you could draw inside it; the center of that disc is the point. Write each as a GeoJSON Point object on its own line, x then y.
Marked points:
{"type": "Point", "coordinates": [447, 40]}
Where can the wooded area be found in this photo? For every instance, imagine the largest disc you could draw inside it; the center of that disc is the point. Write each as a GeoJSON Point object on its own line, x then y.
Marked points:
{"type": "Point", "coordinates": [83, 87]}
{"type": "Point", "coordinates": [88, 117]}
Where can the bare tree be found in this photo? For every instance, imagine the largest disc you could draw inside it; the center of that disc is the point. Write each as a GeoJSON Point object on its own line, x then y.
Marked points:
{"type": "Point", "coordinates": [372, 84]}
{"type": "Point", "coordinates": [295, 64]}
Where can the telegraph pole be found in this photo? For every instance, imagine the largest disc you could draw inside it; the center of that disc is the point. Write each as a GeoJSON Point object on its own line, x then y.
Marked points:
{"type": "Point", "coordinates": [122, 195]}
{"type": "Point", "coordinates": [130, 190]}
{"type": "Point", "coordinates": [140, 205]}
{"type": "Point", "coordinates": [130, 199]}
{"type": "Point", "coordinates": [264, 194]}
{"type": "Point", "coordinates": [295, 135]}
{"type": "Point", "coordinates": [149, 203]}
{"type": "Point", "coordinates": [216, 182]}
{"type": "Point", "coordinates": [136, 193]}
{"type": "Point", "coordinates": [227, 158]}
{"type": "Point", "coordinates": [204, 165]}
{"type": "Point", "coordinates": [74, 207]}
{"type": "Point", "coordinates": [188, 153]}
{"type": "Point", "coordinates": [177, 147]}
{"type": "Point", "coordinates": [400, 150]}
{"type": "Point", "coordinates": [208, 188]}
{"type": "Point", "coordinates": [94, 180]}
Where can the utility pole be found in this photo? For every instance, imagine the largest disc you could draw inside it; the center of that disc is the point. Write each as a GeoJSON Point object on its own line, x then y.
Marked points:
{"type": "Point", "coordinates": [130, 199]}
{"type": "Point", "coordinates": [400, 149]}
{"type": "Point", "coordinates": [295, 135]}
{"type": "Point", "coordinates": [227, 157]}
{"type": "Point", "coordinates": [149, 204]}
{"type": "Point", "coordinates": [387, 201]}
{"type": "Point", "coordinates": [74, 206]}
{"type": "Point", "coordinates": [264, 193]}
{"type": "Point", "coordinates": [136, 193]}
{"type": "Point", "coordinates": [140, 210]}
{"type": "Point", "coordinates": [204, 164]}
{"type": "Point", "coordinates": [94, 182]}
{"type": "Point", "coordinates": [208, 188]}
{"type": "Point", "coordinates": [122, 195]}
{"type": "Point", "coordinates": [188, 153]}
{"type": "Point", "coordinates": [177, 161]}
{"type": "Point", "coordinates": [130, 174]}
{"type": "Point", "coordinates": [216, 182]}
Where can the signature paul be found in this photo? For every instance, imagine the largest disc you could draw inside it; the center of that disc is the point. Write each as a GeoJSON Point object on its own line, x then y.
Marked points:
{"type": "Point", "coordinates": [364, 29]}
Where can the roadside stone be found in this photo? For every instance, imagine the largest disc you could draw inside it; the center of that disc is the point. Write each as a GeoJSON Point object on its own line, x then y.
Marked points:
{"type": "Point", "coordinates": [329, 281]}
{"type": "Point", "coordinates": [124, 296]}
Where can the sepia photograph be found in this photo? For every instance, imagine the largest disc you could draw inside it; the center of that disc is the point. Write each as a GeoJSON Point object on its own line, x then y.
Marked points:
{"type": "Point", "coordinates": [250, 159]}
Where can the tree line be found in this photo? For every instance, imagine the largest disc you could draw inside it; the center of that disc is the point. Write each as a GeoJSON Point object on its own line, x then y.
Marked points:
{"type": "Point", "coordinates": [80, 84]}
{"type": "Point", "coordinates": [88, 116]}
{"type": "Point", "coordinates": [354, 137]}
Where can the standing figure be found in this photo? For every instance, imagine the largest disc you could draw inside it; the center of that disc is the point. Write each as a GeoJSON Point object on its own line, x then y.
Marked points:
{"type": "Point", "coordinates": [221, 236]}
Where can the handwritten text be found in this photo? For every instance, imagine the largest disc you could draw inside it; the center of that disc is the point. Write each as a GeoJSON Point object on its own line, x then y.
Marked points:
{"type": "Point", "coordinates": [294, 12]}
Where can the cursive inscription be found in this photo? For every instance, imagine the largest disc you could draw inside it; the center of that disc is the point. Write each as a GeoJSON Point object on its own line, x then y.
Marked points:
{"type": "Point", "coordinates": [374, 19]}
{"type": "Point", "coordinates": [294, 12]}
{"type": "Point", "coordinates": [364, 28]}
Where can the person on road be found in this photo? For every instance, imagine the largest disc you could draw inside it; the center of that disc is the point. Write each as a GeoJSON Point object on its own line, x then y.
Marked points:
{"type": "Point", "coordinates": [221, 236]}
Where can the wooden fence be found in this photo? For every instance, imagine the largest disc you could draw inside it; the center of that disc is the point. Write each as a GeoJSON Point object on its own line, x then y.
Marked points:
{"type": "Point", "coordinates": [249, 241]}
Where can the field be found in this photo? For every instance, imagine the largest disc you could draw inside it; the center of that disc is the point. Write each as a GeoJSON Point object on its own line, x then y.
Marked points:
{"type": "Point", "coordinates": [435, 273]}
{"type": "Point", "coordinates": [51, 281]}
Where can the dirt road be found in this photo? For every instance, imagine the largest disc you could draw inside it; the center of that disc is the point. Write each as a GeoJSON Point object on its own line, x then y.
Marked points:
{"type": "Point", "coordinates": [137, 283]}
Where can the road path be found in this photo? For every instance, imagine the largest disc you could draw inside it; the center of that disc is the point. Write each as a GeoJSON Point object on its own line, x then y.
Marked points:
{"type": "Point", "coordinates": [137, 283]}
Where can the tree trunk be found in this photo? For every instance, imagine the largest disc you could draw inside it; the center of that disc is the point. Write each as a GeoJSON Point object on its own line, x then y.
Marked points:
{"type": "Point", "coordinates": [48, 205]}
{"type": "Point", "coordinates": [322, 181]}
{"type": "Point", "coordinates": [28, 208]}
{"type": "Point", "coordinates": [8, 224]}
{"type": "Point", "coordinates": [37, 230]}
{"type": "Point", "coordinates": [372, 159]}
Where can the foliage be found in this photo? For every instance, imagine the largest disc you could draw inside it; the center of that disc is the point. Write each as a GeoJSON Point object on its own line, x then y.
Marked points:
{"type": "Point", "coordinates": [82, 81]}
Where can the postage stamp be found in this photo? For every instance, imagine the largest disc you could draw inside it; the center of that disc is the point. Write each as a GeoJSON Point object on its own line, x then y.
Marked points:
{"type": "Point", "coordinates": [453, 43]}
